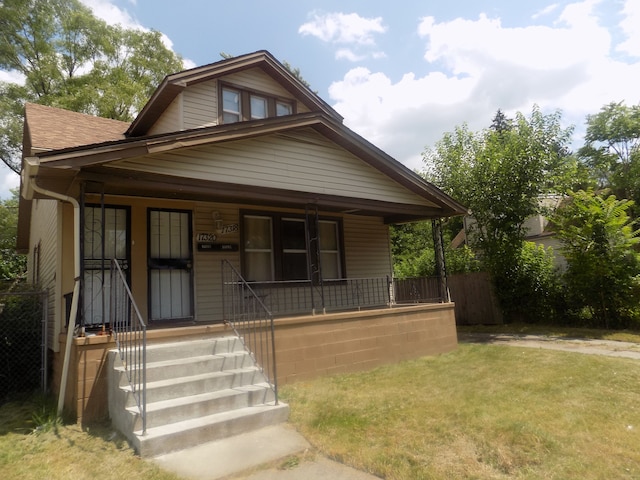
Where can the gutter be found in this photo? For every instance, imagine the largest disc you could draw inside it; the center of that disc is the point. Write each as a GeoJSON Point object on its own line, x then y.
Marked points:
{"type": "Point", "coordinates": [29, 173]}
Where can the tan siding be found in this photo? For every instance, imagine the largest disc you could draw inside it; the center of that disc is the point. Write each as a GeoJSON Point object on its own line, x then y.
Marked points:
{"type": "Point", "coordinates": [257, 80]}
{"type": "Point", "coordinates": [367, 247]}
{"type": "Point", "coordinates": [44, 224]}
{"type": "Point", "coordinates": [301, 162]}
{"type": "Point", "coordinates": [170, 120]}
{"type": "Point", "coordinates": [200, 105]}
{"type": "Point", "coordinates": [208, 292]}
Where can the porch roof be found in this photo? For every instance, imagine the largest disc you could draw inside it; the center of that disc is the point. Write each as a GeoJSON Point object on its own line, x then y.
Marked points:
{"type": "Point", "coordinates": [59, 170]}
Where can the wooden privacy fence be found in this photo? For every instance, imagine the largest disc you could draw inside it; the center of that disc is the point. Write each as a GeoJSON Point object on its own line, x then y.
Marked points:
{"type": "Point", "coordinates": [476, 303]}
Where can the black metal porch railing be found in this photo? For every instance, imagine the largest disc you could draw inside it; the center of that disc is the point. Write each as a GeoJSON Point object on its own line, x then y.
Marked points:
{"type": "Point", "coordinates": [417, 290]}
{"type": "Point", "coordinates": [251, 320]}
{"type": "Point", "coordinates": [130, 334]}
{"type": "Point", "coordinates": [298, 296]}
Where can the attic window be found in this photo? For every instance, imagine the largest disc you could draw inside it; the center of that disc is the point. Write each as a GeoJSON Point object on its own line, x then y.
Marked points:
{"type": "Point", "coordinates": [231, 103]}
{"type": "Point", "coordinates": [242, 105]}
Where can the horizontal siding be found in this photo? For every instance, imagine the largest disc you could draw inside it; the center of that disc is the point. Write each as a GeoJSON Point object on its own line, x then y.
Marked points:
{"type": "Point", "coordinates": [44, 224]}
{"type": "Point", "coordinates": [200, 104]}
{"type": "Point", "coordinates": [256, 79]}
{"type": "Point", "coordinates": [208, 273]}
{"type": "Point", "coordinates": [169, 121]}
{"type": "Point", "coordinates": [300, 162]}
{"type": "Point", "coordinates": [367, 247]}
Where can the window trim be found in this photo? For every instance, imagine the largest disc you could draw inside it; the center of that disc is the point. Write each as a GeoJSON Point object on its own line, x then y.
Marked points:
{"type": "Point", "coordinates": [245, 102]}
{"type": "Point", "coordinates": [276, 241]}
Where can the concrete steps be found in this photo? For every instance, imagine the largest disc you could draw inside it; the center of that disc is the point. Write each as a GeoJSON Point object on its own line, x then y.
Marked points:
{"type": "Point", "coordinates": [197, 391]}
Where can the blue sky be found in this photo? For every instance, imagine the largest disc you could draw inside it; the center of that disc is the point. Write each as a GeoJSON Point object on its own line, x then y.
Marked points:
{"type": "Point", "coordinates": [403, 73]}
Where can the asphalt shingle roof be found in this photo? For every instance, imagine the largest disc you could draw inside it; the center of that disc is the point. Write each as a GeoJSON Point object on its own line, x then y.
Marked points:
{"type": "Point", "coordinates": [53, 128]}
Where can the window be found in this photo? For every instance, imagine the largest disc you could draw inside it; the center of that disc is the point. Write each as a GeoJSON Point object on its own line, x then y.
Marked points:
{"type": "Point", "coordinates": [283, 109]}
{"type": "Point", "coordinates": [258, 107]}
{"type": "Point", "coordinates": [275, 248]}
{"type": "Point", "coordinates": [240, 105]}
{"type": "Point", "coordinates": [230, 106]}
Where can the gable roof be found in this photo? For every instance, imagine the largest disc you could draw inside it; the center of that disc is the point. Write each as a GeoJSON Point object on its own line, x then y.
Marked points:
{"type": "Point", "coordinates": [173, 84]}
{"type": "Point", "coordinates": [51, 128]}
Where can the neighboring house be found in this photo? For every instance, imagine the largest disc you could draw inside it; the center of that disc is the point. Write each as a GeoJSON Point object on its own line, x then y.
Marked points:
{"type": "Point", "coordinates": [538, 230]}
{"type": "Point", "coordinates": [232, 167]}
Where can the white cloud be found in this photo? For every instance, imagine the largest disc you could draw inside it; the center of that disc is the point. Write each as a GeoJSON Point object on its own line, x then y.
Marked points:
{"type": "Point", "coordinates": [12, 76]}
{"type": "Point", "coordinates": [113, 15]}
{"type": "Point", "coordinates": [348, 28]}
{"type": "Point", "coordinates": [545, 11]}
{"type": "Point", "coordinates": [629, 26]}
{"type": "Point", "coordinates": [8, 181]}
{"type": "Point", "coordinates": [348, 54]}
{"type": "Point", "coordinates": [478, 66]}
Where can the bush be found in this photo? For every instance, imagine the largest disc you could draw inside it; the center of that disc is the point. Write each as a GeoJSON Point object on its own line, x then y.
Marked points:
{"type": "Point", "coordinates": [528, 287]}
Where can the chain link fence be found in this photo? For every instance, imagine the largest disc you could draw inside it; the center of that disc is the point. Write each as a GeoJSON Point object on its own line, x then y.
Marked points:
{"type": "Point", "coordinates": [23, 343]}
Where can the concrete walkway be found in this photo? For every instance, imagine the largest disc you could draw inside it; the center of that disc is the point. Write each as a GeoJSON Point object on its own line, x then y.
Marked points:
{"type": "Point", "coordinates": [276, 452]}
{"type": "Point", "coordinates": [588, 346]}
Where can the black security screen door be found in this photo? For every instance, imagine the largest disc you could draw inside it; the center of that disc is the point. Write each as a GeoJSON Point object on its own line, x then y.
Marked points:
{"type": "Point", "coordinates": [106, 236]}
{"type": "Point", "coordinates": [170, 265]}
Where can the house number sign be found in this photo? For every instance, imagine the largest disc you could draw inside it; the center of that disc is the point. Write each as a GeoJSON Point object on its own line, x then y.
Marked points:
{"type": "Point", "coordinates": [206, 243]}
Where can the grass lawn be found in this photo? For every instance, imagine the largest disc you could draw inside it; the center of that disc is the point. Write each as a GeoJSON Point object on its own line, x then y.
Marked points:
{"type": "Point", "coordinates": [481, 412]}
{"type": "Point", "coordinates": [64, 451]}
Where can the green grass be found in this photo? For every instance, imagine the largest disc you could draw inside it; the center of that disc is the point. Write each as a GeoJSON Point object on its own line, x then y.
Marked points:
{"type": "Point", "coordinates": [481, 412]}
{"type": "Point", "coordinates": [34, 444]}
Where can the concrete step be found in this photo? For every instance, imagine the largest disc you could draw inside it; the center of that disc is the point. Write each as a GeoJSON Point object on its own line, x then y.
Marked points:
{"type": "Point", "coordinates": [188, 433]}
{"type": "Point", "coordinates": [189, 366]}
{"type": "Point", "coordinates": [196, 384]}
{"type": "Point", "coordinates": [195, 406]}
{"type": "Point", "coordinates": [157, 352]}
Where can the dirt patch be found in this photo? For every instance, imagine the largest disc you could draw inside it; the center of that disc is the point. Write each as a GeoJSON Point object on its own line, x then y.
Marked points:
{"type": "Point", "coordinates": [588, 346]}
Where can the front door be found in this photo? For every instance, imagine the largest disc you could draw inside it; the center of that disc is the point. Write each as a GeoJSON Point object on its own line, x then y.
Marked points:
{"type": "Point", "coordinates": [170, 265]}
{"type": "Point", "coordinates": [106, 237]}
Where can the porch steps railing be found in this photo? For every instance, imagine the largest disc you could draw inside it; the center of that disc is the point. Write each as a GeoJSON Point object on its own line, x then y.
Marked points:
{"type": "Point", "coordinates": [251, 321]}
{"type": "Point", "coordinates": [198, 390]}
{"type": "Point", "coordinates": [130, 333]}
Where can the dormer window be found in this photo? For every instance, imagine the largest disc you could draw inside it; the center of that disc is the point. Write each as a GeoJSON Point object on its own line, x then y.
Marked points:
{"type": "Point", "coordinates": [231, 105]}
{"type": "Point", "coordinates": [242, 105]}
{"type": "Point", "coordinates": [283, 108]}
{"type": "Point", "coordinates": [258, 107]}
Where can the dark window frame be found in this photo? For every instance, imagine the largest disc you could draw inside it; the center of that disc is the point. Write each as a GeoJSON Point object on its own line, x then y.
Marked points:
{"type": "Point", "coordinates": [277, 243]}
{"type": "Point", "coordinates": [245, 102]}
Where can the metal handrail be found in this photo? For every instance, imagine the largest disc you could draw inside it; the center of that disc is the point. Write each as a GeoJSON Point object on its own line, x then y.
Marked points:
{"type": "Point", "coordinates": [251, 321]}
{"type": "Point", "coordinates": [130, 333]}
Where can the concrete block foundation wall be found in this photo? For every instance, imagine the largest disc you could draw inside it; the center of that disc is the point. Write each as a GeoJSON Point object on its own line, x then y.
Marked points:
{"type": "Point", "coordinates": [306, 347]}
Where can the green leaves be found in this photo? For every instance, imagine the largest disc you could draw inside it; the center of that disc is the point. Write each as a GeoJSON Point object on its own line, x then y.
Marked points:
{"type": "Point", "coordinates": [599, 243]}
{"type": "Point", "coordinates": [73, 60]}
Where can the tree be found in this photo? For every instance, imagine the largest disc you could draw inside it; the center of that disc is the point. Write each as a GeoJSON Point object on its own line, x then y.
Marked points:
{"type": "Point", "coordinates": [599, 243]}
{"type": "Point", "coordinates": [71, 59]}
{"type": "Point", "coordinates": [612, 149]}
{"type": "Point", "coordinates": [501, 173]}
{"type": "Point", "coordinates": [13, 266]}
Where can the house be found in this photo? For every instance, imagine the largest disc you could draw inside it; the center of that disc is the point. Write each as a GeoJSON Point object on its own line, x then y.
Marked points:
{"type": "Point", "coordinates": [236, 195]}
{"type": "Point", "coordinates": [538, 229]}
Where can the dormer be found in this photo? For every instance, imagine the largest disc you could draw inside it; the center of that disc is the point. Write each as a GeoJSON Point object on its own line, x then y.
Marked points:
{"type": "Point", "coordinates": [250, 87]}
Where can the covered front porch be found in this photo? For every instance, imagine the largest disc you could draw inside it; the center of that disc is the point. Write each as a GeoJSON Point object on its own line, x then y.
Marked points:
{"type": "Point", "coordinates": [306, 346]}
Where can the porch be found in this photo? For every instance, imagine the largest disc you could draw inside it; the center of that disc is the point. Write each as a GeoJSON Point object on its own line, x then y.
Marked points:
{"type": "Point", "coordinates": [306, 346]}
